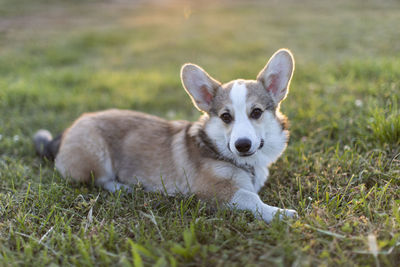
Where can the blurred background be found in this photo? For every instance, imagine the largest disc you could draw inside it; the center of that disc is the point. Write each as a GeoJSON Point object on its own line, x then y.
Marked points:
{"type": "Point", "coordinates": [61, 58]}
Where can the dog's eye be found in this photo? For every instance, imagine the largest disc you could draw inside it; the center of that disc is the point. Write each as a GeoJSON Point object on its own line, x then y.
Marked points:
{"type": "Point", "coordinates": [226, 117]}
{"type": "Point", "coordinates": [256, 113]}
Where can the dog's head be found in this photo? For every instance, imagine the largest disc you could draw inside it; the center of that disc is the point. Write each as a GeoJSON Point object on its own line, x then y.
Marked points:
{"type": "Point", "coordinates": [244, 115]}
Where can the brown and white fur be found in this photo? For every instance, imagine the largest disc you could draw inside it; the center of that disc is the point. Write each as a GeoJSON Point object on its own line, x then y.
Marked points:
{"type": "Point", "coordinates": [223, 156]}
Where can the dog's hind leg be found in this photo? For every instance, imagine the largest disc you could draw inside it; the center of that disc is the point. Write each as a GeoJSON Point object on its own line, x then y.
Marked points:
{"type": "Point", "coordinates": [112, 185]}
{"type": "Point", "coordinates": [84, 155]}
{"type": "Point", "coordinates": [83, 163]}
{"type": "Point", "coordinates": [108, 181]}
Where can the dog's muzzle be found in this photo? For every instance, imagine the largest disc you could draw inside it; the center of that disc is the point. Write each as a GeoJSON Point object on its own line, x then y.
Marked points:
{"type": "Point", "coordinates": [249, 154]}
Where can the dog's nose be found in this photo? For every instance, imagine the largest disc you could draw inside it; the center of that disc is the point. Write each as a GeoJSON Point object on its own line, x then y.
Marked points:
{"type": "Point", "coordinates": [243, 145]}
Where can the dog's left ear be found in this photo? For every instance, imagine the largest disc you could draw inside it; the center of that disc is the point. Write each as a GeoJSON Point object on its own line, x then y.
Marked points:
{"type": "Point", "coordinates": [276, 75]}
{"type": "Point", "coordinates": [200, 86]}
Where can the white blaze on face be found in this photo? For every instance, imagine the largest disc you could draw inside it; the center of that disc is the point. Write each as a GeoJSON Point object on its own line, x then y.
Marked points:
{"type": "Point", "coordinates": [242, 127]}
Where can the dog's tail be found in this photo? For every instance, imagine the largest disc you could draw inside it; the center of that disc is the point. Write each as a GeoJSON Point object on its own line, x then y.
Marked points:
{"type": "Point", "coordinates": [45, 145]}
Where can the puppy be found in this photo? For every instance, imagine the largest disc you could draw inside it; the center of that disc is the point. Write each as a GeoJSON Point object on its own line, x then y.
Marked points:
{"type": "Point", "coordinates": [223, 156]}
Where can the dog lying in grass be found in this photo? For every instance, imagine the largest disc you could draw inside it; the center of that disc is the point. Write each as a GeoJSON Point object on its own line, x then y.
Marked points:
{"type": "Point", "coordinates": [223, 156]}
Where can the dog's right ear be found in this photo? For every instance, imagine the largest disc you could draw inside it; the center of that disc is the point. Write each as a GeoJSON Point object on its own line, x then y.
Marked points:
{"type": "Point", "coordinates": [200, 86]}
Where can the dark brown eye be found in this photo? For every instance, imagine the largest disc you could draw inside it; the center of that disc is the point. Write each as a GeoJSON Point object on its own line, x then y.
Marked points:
{"type": "Point", "coordinates": [256, 113]}
{"type": "Point", "coordinates": [226, 117]}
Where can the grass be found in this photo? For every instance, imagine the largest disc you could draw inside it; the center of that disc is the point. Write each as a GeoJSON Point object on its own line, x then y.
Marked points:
{"type": "Point", "coordinates": [341, 170]}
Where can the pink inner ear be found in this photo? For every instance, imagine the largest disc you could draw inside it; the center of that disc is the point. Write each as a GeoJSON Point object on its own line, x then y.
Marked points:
{"type": "Point", "coordinates": [273, 83]}
{"type": "Point", "coordinates": [207, 97]}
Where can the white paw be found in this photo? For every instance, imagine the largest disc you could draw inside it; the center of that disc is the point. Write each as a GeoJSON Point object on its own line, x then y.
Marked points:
{"type": "Point", "coordinates": [115, 186]}
{"type": "Point", "coordinates": [287, 213]}
{"type": "Point", "coordinates": [126, 188]}
{"type": "Point", "coordinates": [270, 213]}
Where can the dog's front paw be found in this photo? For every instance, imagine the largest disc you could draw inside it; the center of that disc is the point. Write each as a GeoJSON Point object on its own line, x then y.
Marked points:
{"type": "Point", "coordinates": [287, 213]}
{"type": "Point", "coordinates": [271, 212]}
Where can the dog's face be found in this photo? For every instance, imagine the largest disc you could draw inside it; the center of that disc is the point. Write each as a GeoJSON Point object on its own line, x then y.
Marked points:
{"type": "Point", "coordinates": [244, 115]}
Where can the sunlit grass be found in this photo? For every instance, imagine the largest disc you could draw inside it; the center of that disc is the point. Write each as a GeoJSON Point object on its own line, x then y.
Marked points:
{"type": "Point", "coordinates": [385, 123]}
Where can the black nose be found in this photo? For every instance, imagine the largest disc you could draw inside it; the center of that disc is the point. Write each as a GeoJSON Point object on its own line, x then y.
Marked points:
{"type": "Point", "coordinates": [243, 145]}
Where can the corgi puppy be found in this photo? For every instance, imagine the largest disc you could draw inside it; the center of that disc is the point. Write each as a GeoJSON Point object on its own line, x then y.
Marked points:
{"type": "Point", "coordinates": [224, 156]}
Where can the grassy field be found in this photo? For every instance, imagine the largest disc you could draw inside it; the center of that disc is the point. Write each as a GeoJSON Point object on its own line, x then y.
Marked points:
{"type": "Point", "coordinates": [341, 170]}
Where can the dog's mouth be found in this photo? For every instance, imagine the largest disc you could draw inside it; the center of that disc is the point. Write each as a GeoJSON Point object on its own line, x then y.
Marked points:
{"type": "Point", "coordinates": [248, 154]}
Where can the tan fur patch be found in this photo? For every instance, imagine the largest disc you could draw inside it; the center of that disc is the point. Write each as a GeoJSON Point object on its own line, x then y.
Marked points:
{"type": "Point", "coordinates": [128, 139]}
{"type": "Point", "coordinates": [210, 187]}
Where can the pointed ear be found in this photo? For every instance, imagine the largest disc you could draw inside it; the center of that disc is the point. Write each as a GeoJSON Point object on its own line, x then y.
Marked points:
{"type": "Point", "coordinates": [276, 75]}
{"type": "Point", "coordinates": [199, 85]}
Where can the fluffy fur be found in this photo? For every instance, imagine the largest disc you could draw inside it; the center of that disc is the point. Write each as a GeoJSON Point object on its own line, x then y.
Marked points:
{"type": "Point", "coordinates": [223, 156]}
